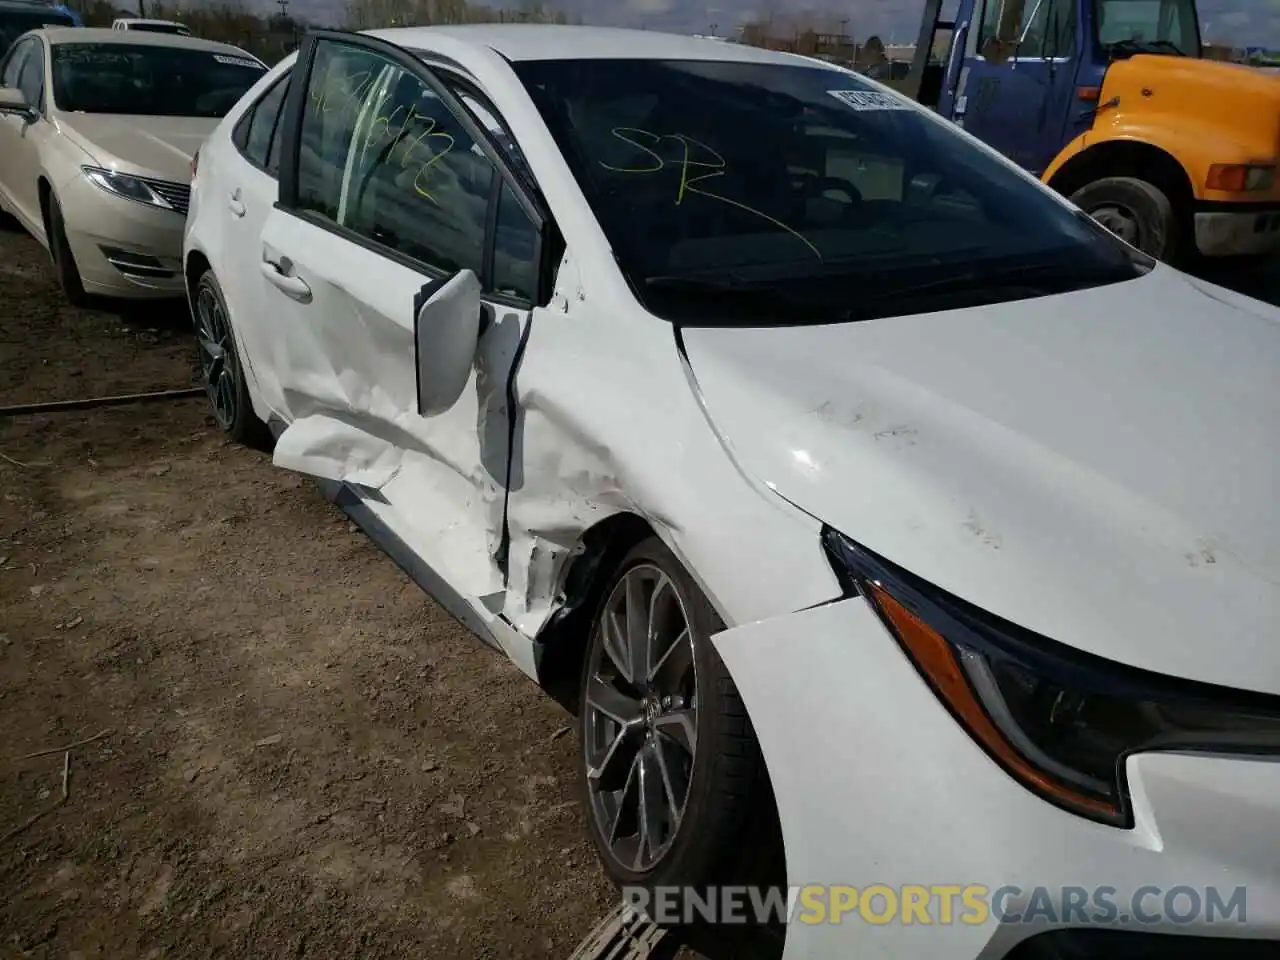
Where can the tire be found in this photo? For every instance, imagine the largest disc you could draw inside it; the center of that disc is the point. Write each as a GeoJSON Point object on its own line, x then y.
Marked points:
{"type": "Point", "coordinates": [8, 222]}
{"type": "Point", "coordinates": [1137, 211]}
{"type": "Point", "coordinates": [64, 261]}
{"type": "Point", "coordinates": [224, 382]}
{"type": "Point", "coordinates": [723, 782]}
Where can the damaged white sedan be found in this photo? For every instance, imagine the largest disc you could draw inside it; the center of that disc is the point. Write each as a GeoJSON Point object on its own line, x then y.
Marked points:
{"type": "Point", "coordinates": [852, 481]}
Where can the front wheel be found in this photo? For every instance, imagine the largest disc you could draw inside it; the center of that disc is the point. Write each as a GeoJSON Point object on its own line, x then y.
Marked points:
{"type": "Point", "coordinates": [1136, 211]}
{"type": "Point", "coordinates": [670, 760]}
{"type": "Point", "coordinates": [64, 261]}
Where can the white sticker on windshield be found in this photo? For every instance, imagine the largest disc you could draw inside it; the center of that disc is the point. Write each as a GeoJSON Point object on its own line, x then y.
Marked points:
{"type": "Point", "coordinates": [238, 61]}
{"type": "Point", "coordinates": [868, 100]}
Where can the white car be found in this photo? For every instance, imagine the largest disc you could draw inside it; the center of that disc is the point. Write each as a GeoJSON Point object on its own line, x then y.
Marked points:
{"type": "Point", "coordinates": [857, 482]}
{"type": "Point", "coordinates": [97, 132]}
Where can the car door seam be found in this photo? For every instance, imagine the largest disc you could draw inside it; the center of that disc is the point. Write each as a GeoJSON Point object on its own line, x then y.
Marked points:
{"type": "Point", "coordinates": [504, 543]}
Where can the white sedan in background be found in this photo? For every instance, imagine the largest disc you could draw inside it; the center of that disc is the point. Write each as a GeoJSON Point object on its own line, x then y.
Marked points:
{"type": "Point", "coordinates": [855, 482]}
{"type": "Point", "coordinates": [97, 131]}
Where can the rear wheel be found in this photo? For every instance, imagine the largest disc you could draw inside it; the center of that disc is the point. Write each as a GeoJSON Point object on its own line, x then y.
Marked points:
{"type": "Point", "coordinates": [64, 261]}
{"type": "Point", "coordinates": [672, 770]}
{"type": "Point", "coordinates": [224, 380]}
{"type": "Point", "coordinates": [1138, 212]}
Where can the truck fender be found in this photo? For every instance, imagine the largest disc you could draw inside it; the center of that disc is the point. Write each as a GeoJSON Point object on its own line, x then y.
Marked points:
{"type": "Point", "coordinates": [1121, 147]}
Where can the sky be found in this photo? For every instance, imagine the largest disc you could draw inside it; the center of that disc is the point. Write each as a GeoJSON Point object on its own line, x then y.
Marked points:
{"type": "Point", "coordinates": [1236, 22]}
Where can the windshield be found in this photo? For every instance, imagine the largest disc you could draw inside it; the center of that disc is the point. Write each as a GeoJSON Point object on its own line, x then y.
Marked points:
{"type": "Point", "coordinates": [1148, 26]}
{"type": "Point", "coordinates": [14, 23]}
{"type": "Point", "coordinates": [759, 193]}
{"type": "Point", "coordinates": [132, 78]}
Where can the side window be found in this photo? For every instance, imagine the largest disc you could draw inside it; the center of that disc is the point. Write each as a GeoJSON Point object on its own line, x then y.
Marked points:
{"type": "Point", "coordinates": [495, 128]}
{"type": "Point", "coordinates": [1051, 30]}
{"type": "Point", "coordinates": [515, 242]}
{"type": "Point", "coordinates": [31, 79]}
{"type": "Point", "coordinates": [877, 174]}
{"type": "Point", "coordinates": [1003, 22]}
{"type": "Point", "coordinates": [871, 166]}
{"type": "Point", "coordinates": [257, 133]}
{"type": "Point", "coordinates": [515, 250]}
{"type": "Point", "coordinates": [277, 131]}
{"type": "Point", "coordinates": [13, 65]}
{"type": "Point", "coordinates": [383, 156]}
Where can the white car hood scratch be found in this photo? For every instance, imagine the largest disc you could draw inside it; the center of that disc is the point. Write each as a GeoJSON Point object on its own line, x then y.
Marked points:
{"type": "Point", "coordinates": [1098, 466]}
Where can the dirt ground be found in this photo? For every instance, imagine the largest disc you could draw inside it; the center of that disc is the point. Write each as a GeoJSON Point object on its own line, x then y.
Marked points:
{"type": "Point", "coordinates": [300, 754]}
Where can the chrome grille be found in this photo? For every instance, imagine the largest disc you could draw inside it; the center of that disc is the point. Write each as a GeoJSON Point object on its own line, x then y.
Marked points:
{"type": "Point", "coordinates": [178, 195]}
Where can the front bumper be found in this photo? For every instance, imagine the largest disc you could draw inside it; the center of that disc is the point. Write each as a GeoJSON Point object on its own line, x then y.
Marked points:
{"type": "Point", "coordinates": [123, 248]}
{"type": "Point", "coordinates": [877, 784]}
{"type": "Point", "coordinates": [1228, 233]}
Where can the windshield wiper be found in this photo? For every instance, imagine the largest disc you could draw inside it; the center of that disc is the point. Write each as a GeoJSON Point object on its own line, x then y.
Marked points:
{"type": "Point", "coordinates": [1035, 281]}
{"type": "Point", "coordinates": [1146, 46]}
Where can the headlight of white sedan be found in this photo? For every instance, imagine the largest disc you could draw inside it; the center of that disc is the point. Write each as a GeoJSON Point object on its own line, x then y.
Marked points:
{"type": "Point", "coordinates": [1060, 721]}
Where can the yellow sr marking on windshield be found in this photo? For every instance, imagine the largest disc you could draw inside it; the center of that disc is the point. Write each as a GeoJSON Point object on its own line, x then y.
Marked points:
{"type": "Point", "coordinates": [717, 168]}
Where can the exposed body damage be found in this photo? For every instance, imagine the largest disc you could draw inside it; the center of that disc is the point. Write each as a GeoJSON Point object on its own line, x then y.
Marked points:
{"type": "Point", "coordinates": [580, 456]}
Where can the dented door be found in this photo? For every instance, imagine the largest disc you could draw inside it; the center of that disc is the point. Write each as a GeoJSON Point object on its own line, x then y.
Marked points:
{"type": "Point", "coordinates": [392, 192]}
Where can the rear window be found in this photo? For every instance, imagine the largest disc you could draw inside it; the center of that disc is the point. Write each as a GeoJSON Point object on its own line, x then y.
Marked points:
{"type": "Point", "coordinates": [14, 23]}
{"type": "Point", "coordinates": [158, 81]}
{"type": "Point", "coordinates": [160, 28]}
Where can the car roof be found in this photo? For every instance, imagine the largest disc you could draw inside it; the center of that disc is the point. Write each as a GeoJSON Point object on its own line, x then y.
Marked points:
{"type": "Point", "coordinates": [59, 35]}
{"type": "Point", "coordinates": [167, 23]}
{"type": "Point", "coordinates": [536, 41]}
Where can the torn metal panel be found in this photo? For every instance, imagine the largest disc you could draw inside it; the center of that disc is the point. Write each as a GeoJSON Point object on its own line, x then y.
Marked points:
{"type": "Point", "coordinates": [622, 431]}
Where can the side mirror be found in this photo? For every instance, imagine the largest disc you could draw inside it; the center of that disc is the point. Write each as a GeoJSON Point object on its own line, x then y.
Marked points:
{"type": "Point", "coordinates": [446, 332]}
{"type": "Point", "coordinates": [13, 101]}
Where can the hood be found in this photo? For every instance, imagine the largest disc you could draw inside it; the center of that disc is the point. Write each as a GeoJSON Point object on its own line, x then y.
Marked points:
{"type": "Point", "coordinates": [1237, 78]}
{"type": "Point", "coordinates": [1234, 109]}
{"type": "Point", "coordinates": [1098, 466]}
{"type": "Point", "coordinates": [1197, 74]}
{"type": "Point", "coordinates": [159, 147]}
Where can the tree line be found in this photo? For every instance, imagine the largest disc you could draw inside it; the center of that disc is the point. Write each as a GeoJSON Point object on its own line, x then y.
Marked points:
{"type": "Point", "coordinates": [271, 37]}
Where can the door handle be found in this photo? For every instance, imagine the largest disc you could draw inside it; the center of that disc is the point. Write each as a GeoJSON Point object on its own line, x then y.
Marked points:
{"type": "Point", "coordinates": [279, 275]}
{"type": "Point", "coordinates": [235, 204]}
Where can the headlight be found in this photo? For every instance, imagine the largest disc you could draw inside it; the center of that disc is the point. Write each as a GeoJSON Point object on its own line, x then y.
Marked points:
{"type": "Point", "coordinates": [1059, 721]}
{"type": "Point", "coordinates": [1240, 177]}
{"type": "Point", "coordinates": [123, 185]}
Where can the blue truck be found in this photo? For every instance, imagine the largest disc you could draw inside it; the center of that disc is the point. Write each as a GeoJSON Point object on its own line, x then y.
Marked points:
{"type": "Point", "coordinates": [19, 16]}
{"type": "Point", "coordinates": [1112, 103]}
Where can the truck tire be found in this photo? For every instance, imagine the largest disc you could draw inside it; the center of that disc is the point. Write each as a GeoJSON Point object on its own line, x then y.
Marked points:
{"type": "Point", "coordinates": [1138, 212]}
